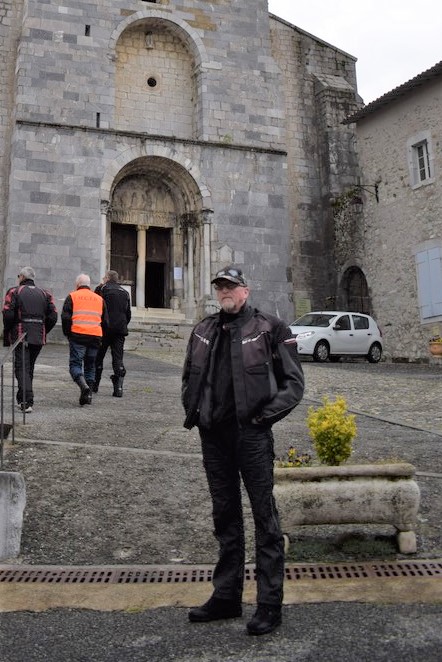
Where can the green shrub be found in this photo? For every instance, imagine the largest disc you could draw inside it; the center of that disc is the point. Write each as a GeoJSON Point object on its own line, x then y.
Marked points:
{"type": "Point", "coordinates": [332, 430]}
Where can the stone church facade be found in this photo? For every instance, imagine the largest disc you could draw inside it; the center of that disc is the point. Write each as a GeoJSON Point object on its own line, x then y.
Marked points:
{"type": "Point", "coordinates": [166, 139]}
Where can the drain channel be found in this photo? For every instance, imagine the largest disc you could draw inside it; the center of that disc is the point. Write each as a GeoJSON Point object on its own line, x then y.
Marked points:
{"type": "Point", "coordinates": [197, 574]}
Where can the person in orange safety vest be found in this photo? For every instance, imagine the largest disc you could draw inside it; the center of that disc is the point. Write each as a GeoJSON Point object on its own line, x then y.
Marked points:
{"type": "Point", "coordinates": [84, 318]}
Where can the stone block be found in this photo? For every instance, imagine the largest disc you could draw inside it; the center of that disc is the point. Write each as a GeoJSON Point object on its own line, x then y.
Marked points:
{"type": "Point", "coordinates": [12, 504]}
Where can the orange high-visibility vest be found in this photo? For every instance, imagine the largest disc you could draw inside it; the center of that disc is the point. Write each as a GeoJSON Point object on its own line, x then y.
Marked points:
{"type": "Point", "coordinates": [87, 309]}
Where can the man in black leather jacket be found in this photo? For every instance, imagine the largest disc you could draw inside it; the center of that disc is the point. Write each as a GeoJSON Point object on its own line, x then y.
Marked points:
{"type": "Point", "coordinates": [119, 311]}
{"type": "Point", "coordinates": [241, 375]}
{"type": "Point", "coordinates": [27, 309]}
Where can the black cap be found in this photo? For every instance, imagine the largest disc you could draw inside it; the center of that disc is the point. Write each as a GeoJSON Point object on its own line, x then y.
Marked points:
{"type": "Point", "coordinates": [231, 273]}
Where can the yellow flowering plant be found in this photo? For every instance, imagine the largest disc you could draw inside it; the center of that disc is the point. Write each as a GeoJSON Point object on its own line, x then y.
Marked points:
{"type": "Point", "coordinates": [332, 429]}
{"type": "Point", "coordinates": [293, 459]}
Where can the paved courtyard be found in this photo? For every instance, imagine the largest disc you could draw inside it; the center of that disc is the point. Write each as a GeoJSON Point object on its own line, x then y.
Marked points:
{"type": "Point", "coordinates": [120, 483]}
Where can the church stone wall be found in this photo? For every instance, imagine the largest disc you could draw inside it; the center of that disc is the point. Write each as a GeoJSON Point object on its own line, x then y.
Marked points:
{"type": "Point", "coordinates": [55, 221]}
{"type": "Point", "coordinates": [10, 27]}
{"type": "Point", "coordinates": [320, 91]}
{"type": "Point", "coordinates": [67, 64]}
{"type": "Point", "coordinates": [250, 113]}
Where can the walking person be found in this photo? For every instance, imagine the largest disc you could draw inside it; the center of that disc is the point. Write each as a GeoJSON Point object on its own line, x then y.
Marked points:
{"type": "Point", "coordinates": [241, 374]}
{"type": "Point", "coordinates": [83, 319]}
{"type": "Point", "coordinates": [118, 308]}
{"type": "Point", "coordinates": [27, 309]}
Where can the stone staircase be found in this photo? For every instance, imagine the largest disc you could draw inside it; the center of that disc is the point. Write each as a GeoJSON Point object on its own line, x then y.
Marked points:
{"type": "Point", "coordinates": [148, 328]}
{"type": "Point", "coordinates": [161, 327]}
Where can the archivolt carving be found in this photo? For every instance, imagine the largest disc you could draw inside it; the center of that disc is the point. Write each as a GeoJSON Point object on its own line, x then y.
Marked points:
{"type": "Point", "coordinates": [159, 219]}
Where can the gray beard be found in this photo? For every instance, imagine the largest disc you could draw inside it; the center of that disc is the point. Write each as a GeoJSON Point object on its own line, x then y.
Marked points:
{"type": "Point", "coordinates": [228, 306]}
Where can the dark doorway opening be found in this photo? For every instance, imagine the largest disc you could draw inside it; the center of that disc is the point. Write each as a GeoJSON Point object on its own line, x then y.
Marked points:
{"type": "Point", "coordinates": [157, 286]}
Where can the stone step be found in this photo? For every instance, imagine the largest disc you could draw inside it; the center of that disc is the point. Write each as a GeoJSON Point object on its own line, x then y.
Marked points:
{"type": "Point", "coordinates": [152, 315]}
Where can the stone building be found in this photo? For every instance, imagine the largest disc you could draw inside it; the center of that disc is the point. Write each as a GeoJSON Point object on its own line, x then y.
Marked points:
{"type": "Point", "coordinates": [399, 249]}
{"type": "Point", "coordinates": [165, 139]}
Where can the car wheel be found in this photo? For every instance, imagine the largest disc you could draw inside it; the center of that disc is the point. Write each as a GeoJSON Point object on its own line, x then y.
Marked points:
{"type": "Point", "coordinates": [321, 352]}
{"type": "Point", "coordinates": [374, 353]}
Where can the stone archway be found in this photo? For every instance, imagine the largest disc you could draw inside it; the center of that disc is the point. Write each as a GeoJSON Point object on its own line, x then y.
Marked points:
{"type": "Point", "coordinates": [158, 235]}
{"type": "Point", "coordinates": [354, 290]}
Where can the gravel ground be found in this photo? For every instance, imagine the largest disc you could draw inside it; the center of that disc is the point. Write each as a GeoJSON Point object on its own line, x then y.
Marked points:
{"type": "Point", "coordinates": [122, 481]}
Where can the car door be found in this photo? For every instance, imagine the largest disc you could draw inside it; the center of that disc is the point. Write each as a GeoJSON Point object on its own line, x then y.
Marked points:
{"type": "Point", "coordinates": [362, 338]}
{"type": "Point", "coordinates": [341, 340]}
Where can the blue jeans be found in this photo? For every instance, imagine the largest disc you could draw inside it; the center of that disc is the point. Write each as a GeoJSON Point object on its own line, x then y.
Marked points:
{"type": "Point", "coordinates": [79, 356]}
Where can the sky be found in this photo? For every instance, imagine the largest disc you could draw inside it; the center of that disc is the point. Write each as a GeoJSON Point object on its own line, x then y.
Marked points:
{"type": "Point", "coordinates": [393, 40]}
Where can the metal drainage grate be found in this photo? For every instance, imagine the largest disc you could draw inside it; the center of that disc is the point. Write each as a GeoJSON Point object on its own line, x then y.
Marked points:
{"type": "Point", "coordinates": [365, 570]}
{"type": "Point", "coordinates": [196, 574]}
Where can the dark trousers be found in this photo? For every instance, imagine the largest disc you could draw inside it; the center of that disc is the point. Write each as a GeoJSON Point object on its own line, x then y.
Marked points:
{"type": "Point", "coordinates": [116, 343]}
{"type": "Point", "coordinates": [230, 453]}
{"type": "Point", "coordinates": [25, 392]}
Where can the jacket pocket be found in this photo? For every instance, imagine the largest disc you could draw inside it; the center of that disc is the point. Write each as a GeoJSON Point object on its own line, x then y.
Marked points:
{"type": "Point", "coordinates": [258, 387]}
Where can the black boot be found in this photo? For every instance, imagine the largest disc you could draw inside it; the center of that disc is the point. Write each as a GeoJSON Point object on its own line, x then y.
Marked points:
{"type": "Point", "coordinates": [86, 393]}
{"type": "Point", "coordinates": [215, 609]}
{"type": "Point", "coordinates": [118, 386]}
{"type": "Point", "coordinates": [96, 384]}
{"type": "Point", "coordinates": [265, 619]}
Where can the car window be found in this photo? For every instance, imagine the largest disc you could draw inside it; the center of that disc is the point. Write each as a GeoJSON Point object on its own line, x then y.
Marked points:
{"type": "Point", "coordinates": [343, 322]}
{"type": "Point", "coordinates": [360, 322]}
{"type": "Point", "coordinates": [314, 319]}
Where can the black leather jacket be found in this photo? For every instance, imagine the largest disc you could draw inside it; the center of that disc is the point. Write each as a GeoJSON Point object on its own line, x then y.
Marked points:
{"type": "Point", "coordinates": [118, 307]}
{"type": "Point", "coordinates": [268, 381]}
{"type": "Point", "coordinates": [28, 308]}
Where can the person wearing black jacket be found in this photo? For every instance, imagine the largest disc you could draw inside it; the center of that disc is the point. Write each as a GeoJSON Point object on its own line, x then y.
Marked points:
{"type": "Point", "coordinates": [119, 311]}
{"type": "Point", "coordinates": [241, 374]}
{"type": "Point", "coordinates": [31, 310]}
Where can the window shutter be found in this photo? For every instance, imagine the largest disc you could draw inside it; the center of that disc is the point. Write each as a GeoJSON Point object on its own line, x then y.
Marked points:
{"type": "Point", "coordinates": [435, 265]}
{"type": "Point", "coordinates": [429, 281]}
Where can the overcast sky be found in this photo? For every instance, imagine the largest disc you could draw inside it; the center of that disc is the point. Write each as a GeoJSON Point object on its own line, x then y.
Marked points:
{"type": "Point", "coordinates": [393, 40]}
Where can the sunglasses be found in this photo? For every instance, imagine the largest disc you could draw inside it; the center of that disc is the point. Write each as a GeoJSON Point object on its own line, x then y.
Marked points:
{"type": "Point", "coordinates": [235, 273]}
{"type": "Point", "coordinates": [226, 286]}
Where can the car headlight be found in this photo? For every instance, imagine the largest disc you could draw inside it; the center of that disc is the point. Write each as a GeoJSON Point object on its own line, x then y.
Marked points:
{"type": "Point", "coordinates": [305, 335]}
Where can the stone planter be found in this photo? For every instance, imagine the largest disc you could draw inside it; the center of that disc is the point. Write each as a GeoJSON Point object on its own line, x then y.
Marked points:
{"type": "Point", "coordinates": [12, 504]}
{"type": "Point", "coordinates": [435, 348]}
{"type": "Point", "coordinates": [350, 494]}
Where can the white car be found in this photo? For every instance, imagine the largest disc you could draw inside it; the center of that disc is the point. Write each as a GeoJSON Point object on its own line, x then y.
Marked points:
{"type": "Point", "coordinates": [330, 334]}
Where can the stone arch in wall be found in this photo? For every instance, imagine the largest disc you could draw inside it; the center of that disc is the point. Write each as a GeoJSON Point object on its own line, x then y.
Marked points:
{"type": "Point", "coordinates": [158, 76]}
{"type": "Point", "coordinates": [158, 235]}
{"type": "Point", "coordinates": [354, 294]}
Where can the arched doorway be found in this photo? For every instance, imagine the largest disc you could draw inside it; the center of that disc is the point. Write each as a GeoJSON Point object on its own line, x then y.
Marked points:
{"type": "Point", "coordinates": [158, 238]}
{"type": "Point", "coordinates": [355, 291]}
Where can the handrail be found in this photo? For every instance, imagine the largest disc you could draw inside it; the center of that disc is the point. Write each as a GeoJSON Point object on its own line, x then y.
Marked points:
{"type": "Point", "coordinates": [10, 355]}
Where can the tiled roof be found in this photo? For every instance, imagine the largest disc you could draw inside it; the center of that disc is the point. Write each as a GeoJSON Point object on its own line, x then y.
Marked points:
{"type": "Point", "coordinates": [396, 93]}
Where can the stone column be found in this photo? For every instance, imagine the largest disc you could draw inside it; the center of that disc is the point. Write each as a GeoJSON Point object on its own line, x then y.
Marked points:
{"type": "Point", "coordinates": [140, 294]}
{"type": "Point", "coordinates": [104, 206]}
{"type": "Point", "coordinates": [206, 266]}
{"type": "Point", "coordinates": [190, 294]}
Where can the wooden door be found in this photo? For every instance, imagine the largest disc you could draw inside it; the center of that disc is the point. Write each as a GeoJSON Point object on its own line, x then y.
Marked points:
{"type": "Point", "coordinates": [124, 254]}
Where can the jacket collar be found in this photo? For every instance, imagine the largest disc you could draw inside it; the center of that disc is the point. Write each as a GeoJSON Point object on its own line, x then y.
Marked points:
{"type": "Point", "coordinates": [238, 319]}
